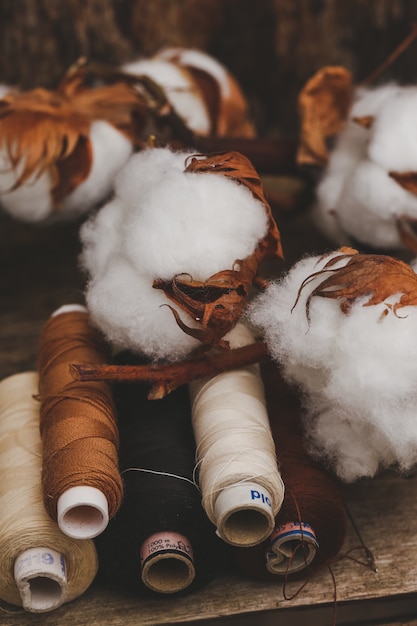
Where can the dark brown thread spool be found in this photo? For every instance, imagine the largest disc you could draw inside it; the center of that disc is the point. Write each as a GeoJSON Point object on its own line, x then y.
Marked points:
{"type": "Point", "coordinates": [312, 494]}
{"type": "Point", "coordinates": [81, 482]}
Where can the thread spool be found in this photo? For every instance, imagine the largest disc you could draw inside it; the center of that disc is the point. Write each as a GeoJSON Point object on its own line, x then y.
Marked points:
{"type": "Point", "coordinates": [241, 486]}
{"type": "Point", "coordinates": [161, 539]}
{"type": "Point", "coordinates": [81, 482]}
{"type": "Point", "coordinates": [40, 568]}
{"type": "Point", "coordinates": [310, 526]}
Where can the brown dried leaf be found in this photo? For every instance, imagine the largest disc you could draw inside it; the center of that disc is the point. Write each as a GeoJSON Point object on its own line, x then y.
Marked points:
{"type": "Point", "coordinates": [41, 130]}
{"type": "Point", "coordinates": [365, 121]}
{"type": "Point", "coordinates": [216, 304]}
{"type": "Point", "coordinates": [371, 277]}
{"type": "Point", "coordinates": [130, 103]}
{"type": "Point", "coordinates": [407, 180]}
{"type": "Point", "coordinates": [407, 229]}
{"type": "Point", "coordinates": [323, 105]}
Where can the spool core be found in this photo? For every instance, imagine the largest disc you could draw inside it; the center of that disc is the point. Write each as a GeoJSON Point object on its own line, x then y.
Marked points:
{"type": "Point", "coordinates": [82, 512]}
{"type": "Point", "coordinates": [40, 576]}
{"type": "Point", "coordinates": [244, 514]}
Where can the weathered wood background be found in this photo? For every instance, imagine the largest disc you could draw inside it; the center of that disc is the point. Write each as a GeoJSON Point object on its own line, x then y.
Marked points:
{"type": "Point", "coordinates": [272, 46]}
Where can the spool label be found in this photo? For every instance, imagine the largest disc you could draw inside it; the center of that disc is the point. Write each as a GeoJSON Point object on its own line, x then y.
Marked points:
{"type": "Point", "coordinates": [40, 562]}
{"type": "Point", "coordinates": [293, 530]}
{"type": "Point", "coordinates": [259, 496]}
{"type": "Point", "coordinates": [165, 542]}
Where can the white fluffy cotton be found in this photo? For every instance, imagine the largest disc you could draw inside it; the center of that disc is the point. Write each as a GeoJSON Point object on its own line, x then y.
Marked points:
{"type": "Point", "coordinates": [162, 222]}
{"type": "Point", "coordinates": [179, 88]}
{"type": "Point", "coordinates": [356, 196]}
{"type": "Point", "coordinates": [357, 372]}
{"type": "Point", "coordinates": [32, 201]}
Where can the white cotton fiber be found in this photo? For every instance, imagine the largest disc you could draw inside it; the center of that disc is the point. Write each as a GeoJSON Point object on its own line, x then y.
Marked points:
{"type": "Point", "coordinates": [160, 223]}
{"type": "Point", "coordinates": [32, 201]}
{"type": "Point", "coordinates": [179, 89]}
{"type": "Point", "coordinates": [111, 149]}
{"type": "Point", "coordinates": [357, 372]}
{"type": "Point", "coordinates": [356, 196]}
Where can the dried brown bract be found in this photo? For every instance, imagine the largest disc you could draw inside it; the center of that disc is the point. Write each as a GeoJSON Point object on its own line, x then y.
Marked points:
{"type": "Point", "coordinates": [324, 105]}
{"type": "Point", "coordinates": [371, 278]}
{"type": "Point", "coordinates": [41, 130]}
{"type": "Point", "coordinates": [48, 130]}
{"type": "Point", "coordinates": [218, 302]}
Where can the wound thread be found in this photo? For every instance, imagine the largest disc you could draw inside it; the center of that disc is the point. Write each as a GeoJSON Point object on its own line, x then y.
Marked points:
{"type": "Point", "coordinates": [160, 540]}
{"type": "Point", "coordinates": [78, 424]}
{"type": "Point", "coordinates": [40, 567]}
{"type": "Point", "coordinates": [241, 486]}
{"type": "Point", "coordinates": [312, 509]}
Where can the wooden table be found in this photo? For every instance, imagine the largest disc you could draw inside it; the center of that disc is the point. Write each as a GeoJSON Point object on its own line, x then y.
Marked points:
{"type": "Point", "coordinates": [39, 272]}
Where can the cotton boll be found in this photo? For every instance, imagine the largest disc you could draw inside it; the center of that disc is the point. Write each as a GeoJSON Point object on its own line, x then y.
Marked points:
{"type": "Point", "coordinates": [392, 144]}
{"type": "Point", "coordinates": [179, 90]}
{"type": "Point", "coordinates": [212, 217]}
{"type": "Point", "coordinates": [356, 196]}
{"type": "Point", "coordinates": [129, 312]}
{"type": "Point", "coordinates": [99, 235]}
{"type": "Point", "coordinates": [30, 202]}
{"type": "Point", "coordinates": [356, 371]}
{"type": "Point", "coordinates": [163, 222]}
{"type": "Point", "coordinates": [189, 57]}
{"type": "Point", "coordinates": [111, 150]}
{"type": "Point", "coordinates": [370, 204]}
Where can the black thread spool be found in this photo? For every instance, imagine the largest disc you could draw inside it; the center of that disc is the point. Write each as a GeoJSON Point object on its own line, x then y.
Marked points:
{"type": "Point", "coordinates": [161, 539]}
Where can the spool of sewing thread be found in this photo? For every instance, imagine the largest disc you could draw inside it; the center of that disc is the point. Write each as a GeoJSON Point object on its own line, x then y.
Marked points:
{"type": "Point", "coordinates": [81, 482]}
{"type": "Point", "coordinates": [161, 539]}
{"type": "Point", "coordinates": [310, 526]}
{"type": "Point", "coordinates": [241, 486]}
{"type": "Point", "coordinates": [40, 567]}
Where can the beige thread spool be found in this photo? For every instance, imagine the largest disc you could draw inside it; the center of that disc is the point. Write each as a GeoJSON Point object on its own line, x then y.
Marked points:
{"type": "Point", "coordinates": [40, 568]}
{"type": "Point", "coordinates": [241, 486]}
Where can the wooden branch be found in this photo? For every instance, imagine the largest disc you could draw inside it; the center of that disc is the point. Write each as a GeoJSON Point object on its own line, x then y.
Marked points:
{"type": "Point", "coordinates": [166, 377]}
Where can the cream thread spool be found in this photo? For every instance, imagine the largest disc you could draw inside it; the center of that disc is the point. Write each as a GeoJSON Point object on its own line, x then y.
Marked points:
{"type": "Point", "coordinates": [40, 568]}
{"type": "Point", "coordinates": [241, 486]}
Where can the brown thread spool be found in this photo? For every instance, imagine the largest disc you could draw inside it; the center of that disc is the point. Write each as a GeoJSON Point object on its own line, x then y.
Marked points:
{"type": "Point", "coordinates": [81, 482]}
{"type": "Point", "coordinates": [312, 501]}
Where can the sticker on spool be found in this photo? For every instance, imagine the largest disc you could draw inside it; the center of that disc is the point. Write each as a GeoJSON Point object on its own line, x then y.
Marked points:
{"type": "Point", "coordinates": [163, 543]}
{"type": "Point", "coordinates": [292, 547]}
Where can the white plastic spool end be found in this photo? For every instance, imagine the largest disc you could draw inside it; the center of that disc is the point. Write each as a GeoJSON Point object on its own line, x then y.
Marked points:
{"type": "Point", "coordinates": [82, 512]}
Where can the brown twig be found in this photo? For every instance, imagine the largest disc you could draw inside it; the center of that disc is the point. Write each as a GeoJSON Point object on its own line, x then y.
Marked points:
{"type": "Point", "coordinates": [166, 377]}
{"type": "Point", "coordinates": [272, 156]}
{"type": "Point", "coordinates": [391, 58]}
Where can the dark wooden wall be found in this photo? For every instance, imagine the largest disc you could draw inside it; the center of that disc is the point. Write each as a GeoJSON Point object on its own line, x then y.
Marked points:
{"type": "Point", "coordinates": [272, 46]}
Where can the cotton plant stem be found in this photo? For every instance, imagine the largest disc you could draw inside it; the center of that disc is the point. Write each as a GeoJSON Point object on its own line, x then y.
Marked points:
{"type": "Point", "coordinates": [166, 377]}
{"type": "Point", "coordinates": [392, 57]}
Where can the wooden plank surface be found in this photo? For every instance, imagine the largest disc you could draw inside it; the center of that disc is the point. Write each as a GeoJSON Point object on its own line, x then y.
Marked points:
{"type": "Point", "coordinates": [39, 272]}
